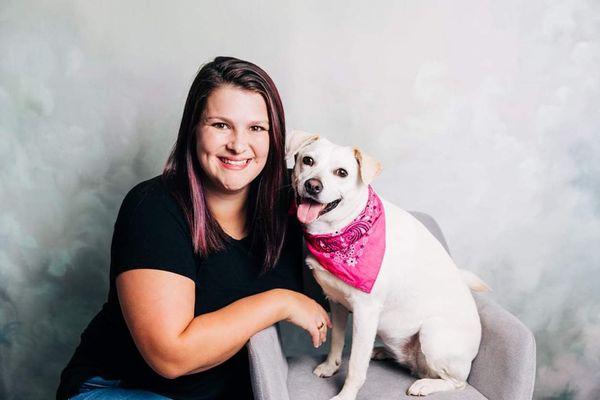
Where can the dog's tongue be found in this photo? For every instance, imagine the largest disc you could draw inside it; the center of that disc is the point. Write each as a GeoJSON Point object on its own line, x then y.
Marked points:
{"type": "Point", "coordinates": [309, 211]}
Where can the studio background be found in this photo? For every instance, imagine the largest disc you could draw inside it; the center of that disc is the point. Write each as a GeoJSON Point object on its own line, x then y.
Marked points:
{"type": "Point", "coordinates": [485, 115]}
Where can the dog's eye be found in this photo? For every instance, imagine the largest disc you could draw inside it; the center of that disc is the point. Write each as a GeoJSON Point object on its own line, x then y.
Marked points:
{"type": "Point", "coordinates": [308, 161]}
{"type": "Point", "coordinates": [341, 172]}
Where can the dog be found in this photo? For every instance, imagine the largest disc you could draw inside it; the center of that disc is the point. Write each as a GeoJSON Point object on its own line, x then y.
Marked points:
{"type": "Point", "coordinates": [378, 261]}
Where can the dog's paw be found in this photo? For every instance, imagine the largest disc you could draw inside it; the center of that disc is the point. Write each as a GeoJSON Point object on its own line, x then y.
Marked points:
{"type": "Point", "coordinates": [423, 387]}
{"type": "Point", "coordinates": [346, 394]}
{"type": "Point", "coordinates": [380, 353]}
{"type": "Point", "coordinates": [340, 396]}
{"type": "Point", "coordinates": [327, 369]}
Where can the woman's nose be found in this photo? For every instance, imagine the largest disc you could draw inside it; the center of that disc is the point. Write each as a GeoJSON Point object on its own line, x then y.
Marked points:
{"type": "Point", "coordinates": [237, 142]}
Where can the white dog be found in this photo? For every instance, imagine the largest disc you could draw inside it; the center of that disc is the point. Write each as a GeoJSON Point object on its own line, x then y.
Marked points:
{"type": "Point", "coordinates": [407, 291]}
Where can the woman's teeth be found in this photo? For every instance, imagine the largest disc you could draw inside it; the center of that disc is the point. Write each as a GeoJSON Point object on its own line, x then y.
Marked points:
{"type": "Point", "coordinates": [232, 162]}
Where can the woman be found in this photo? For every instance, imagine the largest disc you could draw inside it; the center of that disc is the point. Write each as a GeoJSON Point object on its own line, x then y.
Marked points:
{"type": "Point", "coordinates": [202, 257]}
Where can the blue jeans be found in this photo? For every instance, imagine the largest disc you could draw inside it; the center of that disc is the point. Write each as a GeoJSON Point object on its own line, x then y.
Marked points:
{"type": "Point", "coordinates": [97, 388]}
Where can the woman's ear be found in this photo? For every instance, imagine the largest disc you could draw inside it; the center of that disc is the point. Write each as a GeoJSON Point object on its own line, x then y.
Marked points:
{"type": "Point", "coordinates": [294, 142]}
{"type": "Point", "coordinates": [368, 167]}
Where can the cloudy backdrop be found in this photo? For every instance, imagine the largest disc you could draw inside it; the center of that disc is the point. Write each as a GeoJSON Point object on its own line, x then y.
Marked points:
{"type": "Point", "coordinates": [486, 115]}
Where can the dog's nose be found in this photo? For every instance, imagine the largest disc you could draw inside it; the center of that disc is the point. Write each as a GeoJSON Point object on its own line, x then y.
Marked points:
{"type": "Point", "coordinates": [313, 186]}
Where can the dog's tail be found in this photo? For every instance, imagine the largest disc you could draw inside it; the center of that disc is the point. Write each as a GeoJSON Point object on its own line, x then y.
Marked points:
{"type": "Point", "coordinates": [473, 281]}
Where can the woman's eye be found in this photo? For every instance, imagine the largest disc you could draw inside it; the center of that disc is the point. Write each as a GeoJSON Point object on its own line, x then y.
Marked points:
{"type": "Point", "coordinates": [257, 128]}
{"type": "Point", "coordinates": [307, 160]}
{"type": "Point", "coordinates": [341, 172]}
{"type": "Point", "coordinates": [219, 125]}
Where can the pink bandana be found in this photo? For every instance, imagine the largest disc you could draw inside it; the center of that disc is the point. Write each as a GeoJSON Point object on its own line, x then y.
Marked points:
{"type": "Point", "coordinates": [355, 253]}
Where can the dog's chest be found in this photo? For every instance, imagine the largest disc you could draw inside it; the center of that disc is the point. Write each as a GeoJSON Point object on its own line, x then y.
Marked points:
{"type": "Point", "coordinates": [334, 288]}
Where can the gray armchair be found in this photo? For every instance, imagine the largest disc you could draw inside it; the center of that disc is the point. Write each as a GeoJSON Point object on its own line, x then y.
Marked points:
{"type": "Point", "coordinates": [282, 360]}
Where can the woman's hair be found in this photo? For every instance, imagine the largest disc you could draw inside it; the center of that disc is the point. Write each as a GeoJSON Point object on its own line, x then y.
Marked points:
{"type": "Point", "coordinates": [266, 215]}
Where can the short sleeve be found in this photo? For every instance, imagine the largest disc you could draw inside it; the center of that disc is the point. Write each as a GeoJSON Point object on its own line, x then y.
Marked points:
{"type": "Point", "coordinates": [150, 232]}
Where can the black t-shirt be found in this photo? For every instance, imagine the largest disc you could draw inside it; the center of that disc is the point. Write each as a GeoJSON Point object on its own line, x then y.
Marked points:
{"type": "Point", "coordinates": [151, 232]}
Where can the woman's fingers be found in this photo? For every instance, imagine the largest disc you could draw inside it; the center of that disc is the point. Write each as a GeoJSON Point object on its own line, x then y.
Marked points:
{"type": "Point", "coordinates": [318, 332]}
{"type": "Point", "coordinates": [327, 324]}
{"type": "Point", "coordinates": [328, 321]}
{"type": "Point", "coordinates": [324, 317]}
{"type": "Point", "coordinates": [322, 323]}
{"type": "Point", "coordinates": [309, 314]}
{"type": "Point", "coordinates": [323, 332]}
{"type": "Point", "coordinates": [316, 336]}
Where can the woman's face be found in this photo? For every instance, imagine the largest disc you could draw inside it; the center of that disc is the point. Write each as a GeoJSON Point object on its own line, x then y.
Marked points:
{"type": "Point", "coordinates": [233, 138]}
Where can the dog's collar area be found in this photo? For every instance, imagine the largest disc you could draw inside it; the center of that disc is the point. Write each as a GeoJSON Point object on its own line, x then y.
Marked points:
{"type": "Point", "coordinates": [360, 226]}
{"type": "Point", "coordinates": [354, 254]}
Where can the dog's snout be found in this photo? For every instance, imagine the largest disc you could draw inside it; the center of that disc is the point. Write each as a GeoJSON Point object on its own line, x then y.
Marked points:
{"type": "Point", "coordinates": [313, 186]}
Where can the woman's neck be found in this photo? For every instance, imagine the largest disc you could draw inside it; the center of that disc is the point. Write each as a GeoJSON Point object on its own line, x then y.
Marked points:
{"type": "Point", "coordinates": [229, 210]}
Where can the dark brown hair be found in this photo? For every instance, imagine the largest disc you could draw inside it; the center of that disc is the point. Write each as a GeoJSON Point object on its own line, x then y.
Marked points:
{"type": "Point", "coordinates": [266, 215]}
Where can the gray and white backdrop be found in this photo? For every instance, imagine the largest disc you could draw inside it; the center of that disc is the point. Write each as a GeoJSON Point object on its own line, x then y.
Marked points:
{"type": "Point", "coordinates": [485, 115]}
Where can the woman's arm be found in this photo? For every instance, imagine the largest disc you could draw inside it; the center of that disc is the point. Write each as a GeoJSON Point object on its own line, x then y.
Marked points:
{"type": "Point", "coordinates": [158, 307]}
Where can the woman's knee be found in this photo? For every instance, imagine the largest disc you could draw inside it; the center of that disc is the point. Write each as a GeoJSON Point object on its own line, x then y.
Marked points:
{"type": "Point", "coordinates": [118, 394]}
{"type": "Point", "coordinates": [98, 388]}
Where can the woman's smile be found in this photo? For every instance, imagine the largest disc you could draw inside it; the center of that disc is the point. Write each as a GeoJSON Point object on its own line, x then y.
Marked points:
{"type": "Point", "coordinates": [235, 164]}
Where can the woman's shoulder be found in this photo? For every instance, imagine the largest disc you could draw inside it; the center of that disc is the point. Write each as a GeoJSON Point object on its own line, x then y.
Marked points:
{"type": "Point", "coordinates": [151, 231]}
{"type": "Point", "coordinates": [151, 190]}
{"type": "Point", "coordinates": [150, 198]}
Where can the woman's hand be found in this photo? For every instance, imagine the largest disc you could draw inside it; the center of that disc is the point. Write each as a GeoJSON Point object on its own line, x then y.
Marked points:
{"type": "Point", "coordinates": [303, 311]}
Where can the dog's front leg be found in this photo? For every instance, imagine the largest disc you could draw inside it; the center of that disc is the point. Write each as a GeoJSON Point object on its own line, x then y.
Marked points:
{"type": "Point", "coordinates": [339, 318]}
{"type": "Point", "coordinates": [364, 329]}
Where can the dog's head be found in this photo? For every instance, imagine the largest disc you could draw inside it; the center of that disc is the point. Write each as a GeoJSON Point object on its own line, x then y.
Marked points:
{"type": "Point", "coordinates": [326, 177]}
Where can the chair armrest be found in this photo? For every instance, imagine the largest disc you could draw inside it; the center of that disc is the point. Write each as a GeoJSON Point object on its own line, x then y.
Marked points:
{"type": "Point", "coordinates": [505, 365]}
{"type": "Point", "coordinates": [268, 366]}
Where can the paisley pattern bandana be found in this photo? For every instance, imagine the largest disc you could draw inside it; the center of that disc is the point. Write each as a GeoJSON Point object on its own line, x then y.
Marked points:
{"type": "Point", "coordinates": [355, 253]}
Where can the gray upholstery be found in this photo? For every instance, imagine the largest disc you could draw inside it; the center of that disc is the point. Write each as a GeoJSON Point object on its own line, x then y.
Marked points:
{"type": "Point", "coordinates": [503, 369]}
{"type": "Point", "coordinates": [506, 354]}
{"type": "Point", "coordinates": [385, 380]}
{"type": "Point", "coordinates": [268, 365]}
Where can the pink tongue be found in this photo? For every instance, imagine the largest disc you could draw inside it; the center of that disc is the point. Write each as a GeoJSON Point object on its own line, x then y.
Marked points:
{"type": "Point", "coordinates": [308, 212]}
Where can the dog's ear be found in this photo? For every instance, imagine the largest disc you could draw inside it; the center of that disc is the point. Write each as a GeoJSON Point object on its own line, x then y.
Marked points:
{"type": "Point", "coordinates": [368, 167]}
{"type": "Point", "coordinates": [296, 140]}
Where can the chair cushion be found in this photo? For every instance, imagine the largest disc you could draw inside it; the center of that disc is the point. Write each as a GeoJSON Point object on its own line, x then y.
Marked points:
{"type": "Point", "coordinates": [385, 380]}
